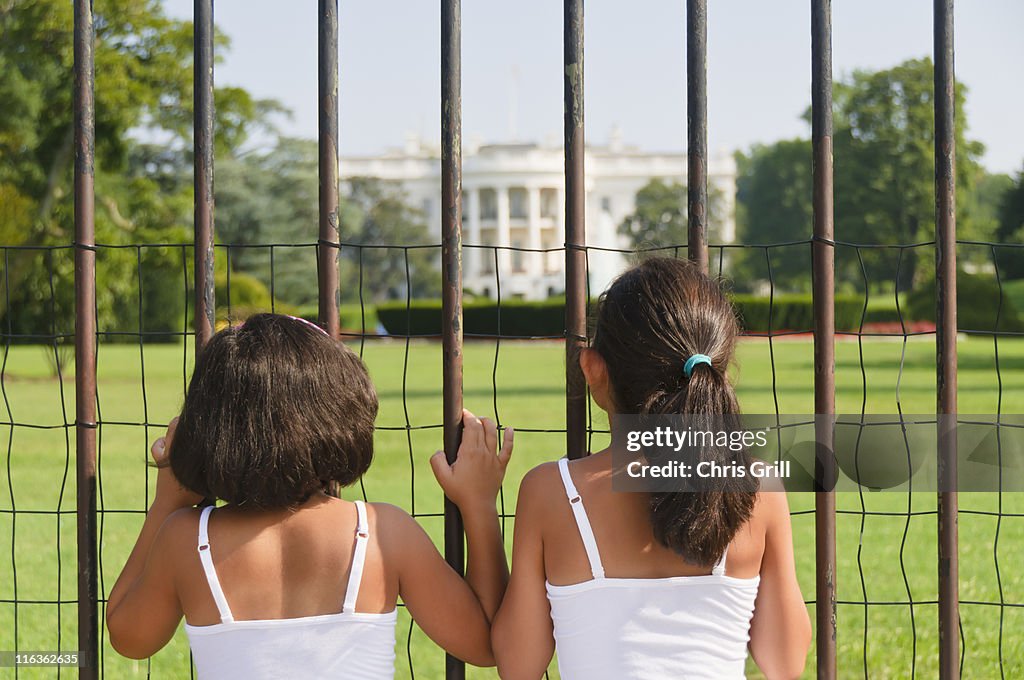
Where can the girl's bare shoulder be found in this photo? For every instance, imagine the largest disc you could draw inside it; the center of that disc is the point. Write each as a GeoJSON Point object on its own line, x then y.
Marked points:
{"type": "Point", "coordinates": [542, 497]}
{"type": "Point", "coordinates": [540, 486]}
{"type": "Point", "coordinates": [389, 519]}
{"type": "Point", "coordinates": [395, 528]}
{"type": "Point", "coordinates": [771, 506]}
{"type": "Point", "coordinates": [178, 536]}
{"type": "Point", "coordinates": [182, 525]}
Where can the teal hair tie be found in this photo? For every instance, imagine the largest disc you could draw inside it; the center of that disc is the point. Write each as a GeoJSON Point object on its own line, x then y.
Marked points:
{"type": "Point", "coordinates": [693, 361]}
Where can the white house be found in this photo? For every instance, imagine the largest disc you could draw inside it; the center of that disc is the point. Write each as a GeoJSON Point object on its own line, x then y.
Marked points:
{"type": "Point", "coordinates": [514, 196]}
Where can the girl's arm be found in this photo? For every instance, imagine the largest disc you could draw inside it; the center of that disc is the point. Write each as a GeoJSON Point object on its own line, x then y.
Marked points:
{"type": "Point", "coordinates": [472, 482]}
{"type": "Point", "coordinates": [522, 634]}
{"type": "Point", "coordinates": [780, 631]}
{"type": "Point", "coordinates": [438, 599]}
{"type": "Point", "coordinates": [143, 610]}
{"type": "Point", "coordinates": [453, 612]}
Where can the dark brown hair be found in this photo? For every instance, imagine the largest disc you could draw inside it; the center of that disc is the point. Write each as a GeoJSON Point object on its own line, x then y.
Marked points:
{"type": "Point", "coordinates": [276, 410]}
{"type": "Point", "coordinates": [649, 322]}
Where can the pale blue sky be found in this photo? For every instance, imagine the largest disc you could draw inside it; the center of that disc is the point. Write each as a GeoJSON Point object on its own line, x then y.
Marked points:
{"type": "Point", "coordinates": [758, 67]}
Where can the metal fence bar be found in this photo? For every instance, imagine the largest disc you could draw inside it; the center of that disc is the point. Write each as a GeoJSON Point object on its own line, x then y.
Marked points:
{"type": "Point", "coordinates": [451, 276]}
{"type": "Point", "coordinates": [945, 345]}
{"type": "Point", "coordinates": [328, 251]}
{"type": "Point", "coordinates": [697, 132]}
{"type": "Point", "coordinates": [575, 232]}
{"type": "Point", "coordinates": [202, 122]}
{"type": "Point", "coordinates": [85, 340]}
{"type": "Point", "coordinates": [823, 277]}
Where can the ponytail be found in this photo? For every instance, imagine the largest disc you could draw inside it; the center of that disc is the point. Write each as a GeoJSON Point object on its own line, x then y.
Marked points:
{"type": "Point", "coordinates": [650, 321]}
{"type": "Point", "coordinates": [699, 525]}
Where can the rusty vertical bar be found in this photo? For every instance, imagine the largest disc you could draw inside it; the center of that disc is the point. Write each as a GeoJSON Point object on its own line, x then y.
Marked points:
{"type": "Point", "coordinates": [328, 250]}
{"type": "Point", "coordinates": [85, 340]}
{"type": "Point", "coordinates": [697, 132]}
{"type": "Point", "coordinates": [575, 232]}
{"type": "Point", "coordinates": [945, 345]}
{"type": "Point", "coordinates": [451, 275]}
{"type": "Point", "coordinates": [823, 278]}
{"type": "Point", "coordinates": [202, 122]}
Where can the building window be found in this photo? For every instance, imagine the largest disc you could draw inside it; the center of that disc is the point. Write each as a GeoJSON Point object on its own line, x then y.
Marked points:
{"type": "Point", "coordinates": [554, 262]}
{"type": "Point", "coordinates": [517, 257]}
{"type": "Point", "coordinates": [606, 204]}
{"type": "Point", "coordinates": [488, 204]}
{"type": "Point", "coordinates": [427, 206]}
{"type": "Point", "coordinates": [549, 203]}
{"type": "Point", "coordinates": [518, 204]}
{"type": "Point", "coordinates": [486, 255]}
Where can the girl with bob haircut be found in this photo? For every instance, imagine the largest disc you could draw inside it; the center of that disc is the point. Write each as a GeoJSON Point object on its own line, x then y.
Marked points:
{"type": "Point", "coordinates": [652, 585]}
{"type": "Point", "coordinates": [284, 580]}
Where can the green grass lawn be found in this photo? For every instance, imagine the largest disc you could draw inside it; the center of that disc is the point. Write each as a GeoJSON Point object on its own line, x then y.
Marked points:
{"type": "Point", "coordinates": [523, 384]}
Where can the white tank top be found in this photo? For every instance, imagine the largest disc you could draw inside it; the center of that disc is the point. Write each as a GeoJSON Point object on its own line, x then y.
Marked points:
{"type": "Point", "coordinates": [350, 644]}
{"type": "Point", "coordinates": [649, 628]}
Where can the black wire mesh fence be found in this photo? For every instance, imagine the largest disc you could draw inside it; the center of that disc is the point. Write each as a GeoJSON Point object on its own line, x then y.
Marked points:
{"type": "Point", "coordinates": [882, 604]}
{"type": "Point", "coordinates": [885, 541]}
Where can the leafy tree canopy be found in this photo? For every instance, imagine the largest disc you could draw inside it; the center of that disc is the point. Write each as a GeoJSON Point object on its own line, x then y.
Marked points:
{"type": "Point", "coordinates": [271, 197]}
{"type": "Point", "coordinates": [884, 151]}
{"type": "Point", "coordinates": [376, 213]}
{"type": "Point", "coordinates": [659, 218]}
{"type": "Point", "coordinates": [1011, 229]}
{"type": "Point", "coordinates": [143, 190]}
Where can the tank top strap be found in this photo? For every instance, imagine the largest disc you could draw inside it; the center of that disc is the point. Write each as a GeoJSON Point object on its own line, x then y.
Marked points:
{"type": "Point", "coordinates": [207, 561]}
{"type": "Point", "coordinates": [582, 522]}
{"type": "Point", "coordinates": [719, 568]}
{"type": "Point", "coordinates": [355, 576]}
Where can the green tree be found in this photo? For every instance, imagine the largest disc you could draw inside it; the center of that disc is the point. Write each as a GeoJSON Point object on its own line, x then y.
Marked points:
{"type": "Point", "coordinates": [659, 216]}
{"type": "Point", "coordinates": [271, 196]}
{"type": "Point", "coordinates": [984, 203]}
{"type": "Point", "coordinates": [884, 185]}
{"type": "Point", "coordinates": [885, 165]}
{"type": "Point", "coordinates": [1011, 229]}
{"type": "Point", "coordinates": [375, 213]}
{"type": "Point", "coordinates": [773, 188]}
{"type": "Point", "coordinates": [143, 82]}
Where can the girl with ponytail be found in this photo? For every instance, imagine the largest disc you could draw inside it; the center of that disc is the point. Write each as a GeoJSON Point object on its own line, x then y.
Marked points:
{"type": "Point", "coordinates": [653, 585]}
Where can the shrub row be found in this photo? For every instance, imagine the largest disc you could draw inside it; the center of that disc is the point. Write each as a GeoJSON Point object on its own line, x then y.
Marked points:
{"type": "Point", "coordinates": [353, 317]}
{"type": "Point", "coordinates": [977, 302]}
{"type": "Point", "coordinates": [793, 312]}
{"type": "Point", "coordinates": [978, 305]}
{"type": "Point", "coordinates": [519, 318]}
{"type": "Point", "coordinates": [547, 317]}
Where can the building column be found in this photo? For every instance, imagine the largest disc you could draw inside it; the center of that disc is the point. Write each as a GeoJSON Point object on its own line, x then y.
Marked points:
{"type": "Point", "coordinates": [534, 260]}
{"type": "Point", "coordinates": [504, 233]}
{"type": "Point", "coordinates": [473, 257]}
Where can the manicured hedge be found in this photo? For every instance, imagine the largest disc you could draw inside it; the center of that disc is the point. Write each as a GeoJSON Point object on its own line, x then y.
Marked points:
{"type": "Point", "coordinates": [547, 317]}
{"type": "Point", "coordinates": [354, 319]}
{"type": "Point", "coordinates": [884, 310]}
{"type": "Point", "coordinates": [483, 317]}
{"type": "Point", "coordinates": [977, 304]}
{"type": "Point", "coordinates": [793, 312]}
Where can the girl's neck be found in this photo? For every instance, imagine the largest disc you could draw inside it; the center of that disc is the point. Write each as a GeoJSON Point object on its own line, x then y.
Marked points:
{"type": "Point", "coordinates": [316, 499]}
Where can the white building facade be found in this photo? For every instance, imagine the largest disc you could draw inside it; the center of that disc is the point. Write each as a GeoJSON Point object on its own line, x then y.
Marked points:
{"type": "Point", "coordinates": [514, 198]}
